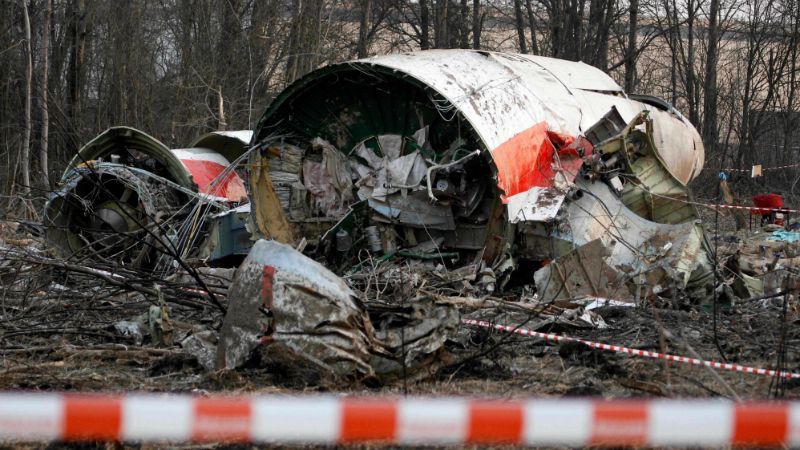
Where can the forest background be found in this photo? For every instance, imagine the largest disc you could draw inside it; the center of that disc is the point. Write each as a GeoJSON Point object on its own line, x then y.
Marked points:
{"type": "Point", "coordinates": [176, 69]}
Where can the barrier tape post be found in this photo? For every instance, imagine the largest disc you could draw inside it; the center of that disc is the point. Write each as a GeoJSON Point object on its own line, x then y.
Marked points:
{"type": "Point", "coordinates": [338, 420]}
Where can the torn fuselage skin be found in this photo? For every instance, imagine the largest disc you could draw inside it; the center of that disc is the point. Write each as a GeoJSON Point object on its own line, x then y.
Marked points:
{"type": "Point", "coordinates": [127, 199]}
{"type": "Point", "coordinates": [476, 156]}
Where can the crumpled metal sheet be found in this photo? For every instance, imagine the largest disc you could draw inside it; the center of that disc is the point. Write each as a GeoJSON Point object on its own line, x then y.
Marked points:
{"type": "Point", "coordinates": [510, 93]}
{"type": "Point", "coordinates": [582, 273]}
{"type": "Point", "coordinates": [502, 95]}
{"type": "Point", "coordinates": [280, 296]}
{"type": "Point", "coordinates": [667, 253]}
{"type": "Point", "coordinates": [206, 166]}
{"type": "Point", "coordinates": [116, 138]}
{"type": "Point", "coordinates": [413, 333]}
{"type": "Point", "coordinates": [302, 314]}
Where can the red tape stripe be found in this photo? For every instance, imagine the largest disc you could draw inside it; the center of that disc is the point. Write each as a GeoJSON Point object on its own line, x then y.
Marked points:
{"type": "Point", "coordinates": [495, 422]}
{"type": "Point", "coordinates": [368, 420]}
{"type": "Point", "coordinates": [330, 420]}
{"type": "Point", "coordinates": [92, 418]}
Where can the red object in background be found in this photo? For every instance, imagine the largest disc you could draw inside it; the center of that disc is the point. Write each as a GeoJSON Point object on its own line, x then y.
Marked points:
{"type": "Point", "coordinates": [772, 201]}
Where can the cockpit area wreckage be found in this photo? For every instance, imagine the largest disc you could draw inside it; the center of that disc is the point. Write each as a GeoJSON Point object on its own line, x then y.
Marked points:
{"type": "Point", "coordinates": [367, 184]}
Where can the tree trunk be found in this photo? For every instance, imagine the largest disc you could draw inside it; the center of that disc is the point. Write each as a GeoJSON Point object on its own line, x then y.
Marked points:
{"type": "Point", "coordinates": [476, 24]}
{"type": "Point", "coordinates": [363, 30]}
{"type": "Point", "coordinates": [710, 98]}
{"type": "Point", "coordinates": [694, 116]}
{"type": "Point", "coordinates": [304, 38]}
{"type": "Point", "coordinates": [43, 150]}
{"type": "Point", "coordinates": [673, 70]}
{"type": "Point", "coordinates": [221, 122]}
{"type": "Point", "coordinates": [520, 22]}
{"type": "Point", "coordinates": [532, 26]}
{"type": "Point", "coordinates": [444, 20]}
{"type": "Point", "coordinates": [464, 24]}
{"type": "Point", "coordinates": [424, 25]}
{"type": "Point", "coordinates": [789, 123]}
{"type": "Point", "coordinates": [77, 31]}
{"type": "Point", "coordinates": [630, 57]}
{"type": "Point", "coordinates": [25, 155]}
{"type": "Point", "coordinates": [603, 35]}
{"type": "Point", "coordinates": [556, 29]}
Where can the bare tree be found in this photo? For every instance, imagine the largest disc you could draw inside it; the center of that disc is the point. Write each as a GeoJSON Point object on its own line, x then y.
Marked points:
{"type": "Point", "coordinates": [424, 24]}
{"type": "Point", "coordinates": [532, 26]}
{"type": "Point", "coordinates": [520, 25]}
{"type": "Point", "coordinates": [77, 59]}
{"type": "Point", "coordinates": [477, 22]}
{"type": "Point", "coordinates": [45, 130]}
{"type": "Point", "coordinates": [630, 56]}
{"type": "Point", "coordinates": [710, 98]}
{"type": "Point", "coordinates": [463, 30]}
{"type": "Point", "coordinates": [363, 29]}
{"type": "Point", "coordinates": [25, 154]}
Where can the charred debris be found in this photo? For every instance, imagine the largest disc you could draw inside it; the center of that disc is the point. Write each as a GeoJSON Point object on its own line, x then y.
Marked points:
{"type": "Point", "coordinates": [379, 200]}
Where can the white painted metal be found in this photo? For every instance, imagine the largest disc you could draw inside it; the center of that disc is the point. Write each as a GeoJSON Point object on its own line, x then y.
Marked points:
{"type": "Point", "coordinates": [502, 94]}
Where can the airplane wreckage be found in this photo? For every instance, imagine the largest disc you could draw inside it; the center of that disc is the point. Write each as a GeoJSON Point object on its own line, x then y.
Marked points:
{"type": "Point", "coordinates": [499, 170]}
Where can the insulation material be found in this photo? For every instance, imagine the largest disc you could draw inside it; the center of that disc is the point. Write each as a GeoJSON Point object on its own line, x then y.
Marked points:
{"type": "Point", "coordinates": [318, 182]}
{"type": "Point", "coordinates": [282, 182]}
{"type": "Point", "coordinates": [335, 163]}
{"type": "Point", "coordinates": [391, 145]}
{"type": "Point", "coordinates": [286, 158]}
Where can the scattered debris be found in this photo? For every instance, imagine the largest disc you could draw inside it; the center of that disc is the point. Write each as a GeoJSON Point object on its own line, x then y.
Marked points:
{"type": "Point", "coordinates": [379, 203]}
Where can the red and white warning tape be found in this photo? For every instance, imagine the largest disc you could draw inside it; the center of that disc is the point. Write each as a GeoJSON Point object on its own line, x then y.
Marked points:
{"type": "Point", "coordinates": [633, 351]}
{"type": "Point", "coordinates": [752, 209]}
{"type": "Point", "coordinates": [788, 166]}
{"type": "Point", "coordinates": [331, 420]}
{"type": "Point", "coordinates": [755, 209]}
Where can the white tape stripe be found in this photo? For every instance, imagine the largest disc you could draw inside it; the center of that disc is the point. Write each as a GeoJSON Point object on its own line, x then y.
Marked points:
{"type": "Point", "coordinates": [793, 435]}
{"type": "Point", "coordinates": [31, 416]}
{"type": "Point", "coordinates": [432, 421]}
{"type": "Point", "coordinates": [157, 417]}
{"type": "Point", "coordinates": [558, 422]}
{"type": "Point", "coordinates": [689, 423]}
{"type": "Point", "coordinates": [292, 419]}
{"type": "Point", "coordinates": [654, 355]}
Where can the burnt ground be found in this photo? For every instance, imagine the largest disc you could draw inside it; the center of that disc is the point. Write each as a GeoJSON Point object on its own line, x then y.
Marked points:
{"type": "Point", "coordinates": [58, 333]}
{"type": "Point", "coordinates": [484, 363]}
